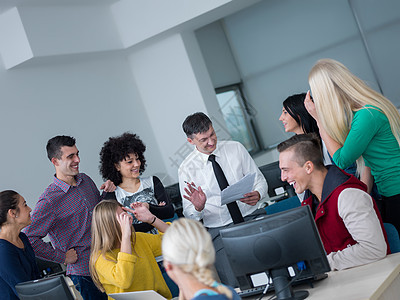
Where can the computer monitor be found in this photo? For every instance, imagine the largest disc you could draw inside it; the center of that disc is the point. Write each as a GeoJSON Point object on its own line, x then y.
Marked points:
{"type": "Point", "coordinates": [49, 268]}
{"type": "Point", "coordinates": [271, 245]}
{"type": "Point", "coordinates": [45, 289]}
{"type": "Point", "coordinates": [276, 187]}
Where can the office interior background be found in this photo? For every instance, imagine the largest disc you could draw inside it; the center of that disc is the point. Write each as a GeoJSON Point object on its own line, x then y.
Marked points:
{"type": "Point", "coordinates": [97, 68]}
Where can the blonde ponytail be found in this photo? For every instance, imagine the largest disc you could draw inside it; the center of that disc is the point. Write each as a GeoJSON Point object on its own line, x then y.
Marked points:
{"type": "Point", "coordinates": [187, 245]}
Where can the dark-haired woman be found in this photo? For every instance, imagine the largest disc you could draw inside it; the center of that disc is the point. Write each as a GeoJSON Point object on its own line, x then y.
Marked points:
{"type": "Point", "coordinates": [122, 161]}
{"type": "Point", "coordinates": [17, 258]}
{"type": "Point", "coordinates": [296, 119]}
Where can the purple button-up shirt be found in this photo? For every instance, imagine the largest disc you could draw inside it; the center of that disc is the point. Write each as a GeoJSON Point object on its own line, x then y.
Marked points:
{"type": "Point", "coordinates": [64, 213]}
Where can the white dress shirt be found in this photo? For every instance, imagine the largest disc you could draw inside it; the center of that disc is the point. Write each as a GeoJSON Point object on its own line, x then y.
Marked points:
{"type": "Point", "coordinates": [236, 162]}
{"type": "Point", "coordinates": [356, 209]}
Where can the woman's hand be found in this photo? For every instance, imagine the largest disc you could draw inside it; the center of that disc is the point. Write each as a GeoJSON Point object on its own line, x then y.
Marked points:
{"type": "Point", "coordinates": [141, 211]}
{"type": "Point", "coordinates": [144, 203]}
{"type": "Point", "coordinates": [125, 221]}
{"type": "Point", "coordinates": [310, 106]}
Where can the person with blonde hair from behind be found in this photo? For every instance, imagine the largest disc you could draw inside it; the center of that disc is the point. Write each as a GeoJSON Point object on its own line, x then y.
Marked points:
{"type": "Point", "coordinates": [358, 123]}
{"type": "Point", "coordinates": [189, 257]}
{"type": "Point", "coordinates": [122, 260]}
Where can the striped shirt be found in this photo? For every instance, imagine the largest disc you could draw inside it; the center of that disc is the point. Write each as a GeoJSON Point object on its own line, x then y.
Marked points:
{"type": "Point", "coordinates": [64, 213]}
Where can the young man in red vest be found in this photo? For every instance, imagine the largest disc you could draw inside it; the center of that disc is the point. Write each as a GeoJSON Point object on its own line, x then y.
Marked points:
{"type": "Point", "coordinates": [347, 218]}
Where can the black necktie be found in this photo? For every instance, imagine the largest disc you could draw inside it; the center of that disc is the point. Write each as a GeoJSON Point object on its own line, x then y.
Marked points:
{"type": "Point", "coordinates": [223, 183]}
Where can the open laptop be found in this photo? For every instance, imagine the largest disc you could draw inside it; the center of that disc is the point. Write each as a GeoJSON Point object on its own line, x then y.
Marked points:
{"type": "Point", "coordinates": [141, 295]}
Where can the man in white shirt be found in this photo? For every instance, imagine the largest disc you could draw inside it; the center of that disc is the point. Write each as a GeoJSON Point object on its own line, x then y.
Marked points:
{"type": "Point", "coordinates": [346, 216]}
{"type": "Point", "coordinates": [199, 186]}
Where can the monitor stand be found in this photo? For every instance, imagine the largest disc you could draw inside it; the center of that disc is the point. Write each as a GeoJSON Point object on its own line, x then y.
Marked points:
{"type": "Point", "coordinates": [283, 288]}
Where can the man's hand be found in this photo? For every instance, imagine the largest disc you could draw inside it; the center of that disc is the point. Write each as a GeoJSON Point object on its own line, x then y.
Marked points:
{"type": "Point", "coordinates": [108, 186]}
{"type": "Point", "coordinates": [70, 257]}
{"type": "Point", "coordinates": [196, 196]}
{"type": "Point", "coordinates": [251, 198]}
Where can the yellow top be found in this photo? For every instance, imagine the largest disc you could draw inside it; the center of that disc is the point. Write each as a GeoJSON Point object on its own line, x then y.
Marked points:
{"type": "Point", "coordinates": [121, 272]}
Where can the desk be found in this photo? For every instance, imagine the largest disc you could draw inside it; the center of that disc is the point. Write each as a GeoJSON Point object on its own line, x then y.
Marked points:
{"type": "Point", "coordinates": [376, 281]}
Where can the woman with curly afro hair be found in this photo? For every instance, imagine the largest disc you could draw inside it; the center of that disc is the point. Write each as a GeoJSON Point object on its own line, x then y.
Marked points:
{"type": "Point", "coordinates": [122, 161]}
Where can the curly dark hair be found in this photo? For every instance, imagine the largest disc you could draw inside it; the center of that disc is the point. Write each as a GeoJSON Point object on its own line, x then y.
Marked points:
{"type": "Point", "coordinates": [115, 150]}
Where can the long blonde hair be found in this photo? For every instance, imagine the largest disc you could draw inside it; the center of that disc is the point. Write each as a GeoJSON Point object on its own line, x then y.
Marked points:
{"type": "Point", "coordinates": [338, 93]}
{"type": "Point", "coordinates": [187, 245]}
{"type": "Point", "coordinates": [106, 235]}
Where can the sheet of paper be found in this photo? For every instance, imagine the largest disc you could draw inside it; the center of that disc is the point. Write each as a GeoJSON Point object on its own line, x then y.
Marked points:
{"type": "Point", "coordinates": [236, 191]}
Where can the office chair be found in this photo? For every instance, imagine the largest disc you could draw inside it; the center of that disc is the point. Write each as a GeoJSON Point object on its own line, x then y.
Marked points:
{"type": "Point", "coordinates": [175, 217]}
{"type": "Point", "coordinates": [393, 237]}
{"type": "Point", "coordinates": [49, 268]}
{"type": "Point", "coordinates": [45, 289]}
{"type": "Point", "coordinates": [175, 196]}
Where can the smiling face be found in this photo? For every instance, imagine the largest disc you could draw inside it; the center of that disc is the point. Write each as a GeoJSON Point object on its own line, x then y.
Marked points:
{"type": "Point", "coordinates": [293, 173]}
{"type": "Point", "coordinates": [289, 123]}
{"type": "Point", "coordinates": [205, 142]}
{"type": "Point", "coordinates": [129, 167]}
{"type": "Point", "coordinates": [68, 165]}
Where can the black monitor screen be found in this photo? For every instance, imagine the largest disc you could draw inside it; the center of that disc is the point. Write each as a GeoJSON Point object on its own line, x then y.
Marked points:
{"type": "Point", "coordinates": [276, 186]}
{"type": "Point", "coordinates": [44, 289]}
{"type": "Point", "coordinates": [272, 244]}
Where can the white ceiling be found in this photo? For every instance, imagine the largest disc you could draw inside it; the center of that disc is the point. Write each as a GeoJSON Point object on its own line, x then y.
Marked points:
{"type": "Point", "coordinates": [7, 4]}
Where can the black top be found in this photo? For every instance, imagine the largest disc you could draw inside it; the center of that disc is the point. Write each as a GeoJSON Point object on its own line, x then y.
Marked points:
{"type": "Point", "coordinates": [16, 265]}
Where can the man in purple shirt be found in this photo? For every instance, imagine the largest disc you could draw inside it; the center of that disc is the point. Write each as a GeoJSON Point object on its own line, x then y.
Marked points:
{"type": "Point", "coordinates": [64, 213]}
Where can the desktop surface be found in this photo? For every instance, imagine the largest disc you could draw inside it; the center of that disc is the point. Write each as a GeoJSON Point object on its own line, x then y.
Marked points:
{"type": "Point", "coordinates": [376, 281]}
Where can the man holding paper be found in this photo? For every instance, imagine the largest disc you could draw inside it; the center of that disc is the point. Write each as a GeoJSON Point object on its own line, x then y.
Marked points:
{"type": "Point", "coordinates": [202, 170]}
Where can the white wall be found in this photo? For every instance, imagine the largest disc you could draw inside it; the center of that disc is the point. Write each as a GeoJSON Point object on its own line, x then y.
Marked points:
{"type": "Point", "coordinates": [165, 78]}
{"type": "Point", "coordinates": [275, 43]}
{"type": "Point", "coordinates": [70, 29]}
{"type": "Point", "coordinates": [103, 79]}
{"type": "Point", "coordinates": [90, 99]}
{"type": "Point", "coordinates": [81, 80]}
{"type": "Point", "coordinates": [138, 21]}
{"type": "Point", "coordinates": [218, 55]}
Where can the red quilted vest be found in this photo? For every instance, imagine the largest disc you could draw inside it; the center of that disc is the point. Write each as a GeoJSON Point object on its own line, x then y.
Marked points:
{"type": "Point", "coordinates": [333, 232]}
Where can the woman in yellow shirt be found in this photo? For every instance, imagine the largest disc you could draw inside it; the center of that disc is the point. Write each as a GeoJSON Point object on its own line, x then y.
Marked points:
{"type": "Point", "coordinates": [121, 259]}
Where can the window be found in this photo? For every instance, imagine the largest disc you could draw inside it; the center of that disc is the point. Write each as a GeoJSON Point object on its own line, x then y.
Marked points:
{"type": "Point", "coordinates": [238, 116]}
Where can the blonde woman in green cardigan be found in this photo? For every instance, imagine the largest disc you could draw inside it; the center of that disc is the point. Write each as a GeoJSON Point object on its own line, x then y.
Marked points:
{"type": "Point", "coordinates": [358, 123]}
{"type": "Point", "coordinates": [121, 259]}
